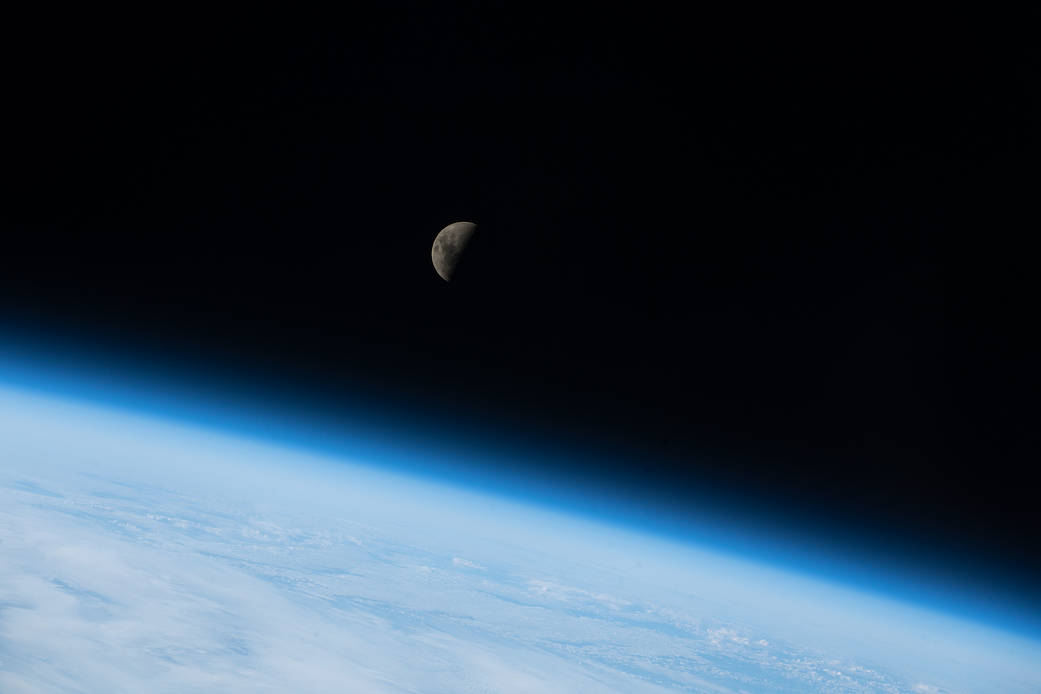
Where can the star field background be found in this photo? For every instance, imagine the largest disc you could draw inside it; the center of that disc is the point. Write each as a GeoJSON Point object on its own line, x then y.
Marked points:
{"type": "Point", "coordinates": [719, 257]}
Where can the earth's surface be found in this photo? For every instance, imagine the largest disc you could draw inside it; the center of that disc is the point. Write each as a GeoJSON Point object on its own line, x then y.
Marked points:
{"type": "Point", "coordinates": [140, 555]}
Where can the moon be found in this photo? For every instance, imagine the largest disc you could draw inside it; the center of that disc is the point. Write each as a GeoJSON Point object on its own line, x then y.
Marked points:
{"type": "Point", "coordinates": [450, 246]}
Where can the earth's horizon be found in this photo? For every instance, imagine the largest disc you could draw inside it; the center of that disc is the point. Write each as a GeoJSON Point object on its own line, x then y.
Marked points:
{"type": "Point", "coordinates": [140, 554]}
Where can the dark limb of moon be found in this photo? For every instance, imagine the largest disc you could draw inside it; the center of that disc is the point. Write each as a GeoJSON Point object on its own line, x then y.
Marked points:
{"type": "Point", "coordinates": [450, 246]}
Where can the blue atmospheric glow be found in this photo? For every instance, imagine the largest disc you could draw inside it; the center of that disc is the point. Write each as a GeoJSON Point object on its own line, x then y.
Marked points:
{"type": "Point", "coordinates": [144, 552]}
{"type": "Point", "coordinates": [134, 386]}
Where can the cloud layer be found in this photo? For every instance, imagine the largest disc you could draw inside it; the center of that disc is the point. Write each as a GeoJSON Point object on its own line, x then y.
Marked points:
{"type": "Point", "coordinates": [116, 579]}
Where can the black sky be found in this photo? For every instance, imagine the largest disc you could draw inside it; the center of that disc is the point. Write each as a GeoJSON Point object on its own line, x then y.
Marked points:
{"type": "Point", "coordinates": [727, 247]}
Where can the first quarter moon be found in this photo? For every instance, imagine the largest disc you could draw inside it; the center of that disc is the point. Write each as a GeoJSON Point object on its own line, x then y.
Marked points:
{"type": "Point", "coordinates": [449, 247]}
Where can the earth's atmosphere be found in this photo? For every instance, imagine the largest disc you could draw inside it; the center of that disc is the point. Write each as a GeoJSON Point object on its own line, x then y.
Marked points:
{"type": "Point", "coordinates": [141, 554]}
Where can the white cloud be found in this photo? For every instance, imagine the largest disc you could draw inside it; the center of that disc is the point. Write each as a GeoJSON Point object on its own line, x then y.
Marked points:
{"type": "Point", "coordinates": [459, 561]}
{"type": "Point", "coordinates": [90, 606]}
